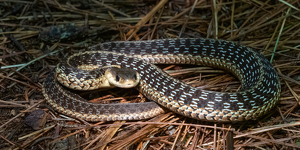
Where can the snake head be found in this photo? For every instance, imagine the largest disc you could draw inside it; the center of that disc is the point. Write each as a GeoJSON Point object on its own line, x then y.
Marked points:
{"type": "Point", "coordinates": [122, 77]}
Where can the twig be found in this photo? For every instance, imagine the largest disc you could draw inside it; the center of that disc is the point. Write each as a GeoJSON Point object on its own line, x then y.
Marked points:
{"type": "Point", "coordinates": [111, 8]}
{"type": "Point", "coordinates": [21, 113]}
{"type": "Point", "coordinates": [145, 19]}
{"type": "Point", "coordinates": [282, 25]}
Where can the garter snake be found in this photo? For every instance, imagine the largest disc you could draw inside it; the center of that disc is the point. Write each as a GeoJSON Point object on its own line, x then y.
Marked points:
{"type": "Point", "coordinates": [259, 93]}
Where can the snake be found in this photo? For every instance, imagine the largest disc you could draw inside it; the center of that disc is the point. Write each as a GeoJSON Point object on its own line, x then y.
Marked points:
{"type": "Point", "coordinates": [87, 70]}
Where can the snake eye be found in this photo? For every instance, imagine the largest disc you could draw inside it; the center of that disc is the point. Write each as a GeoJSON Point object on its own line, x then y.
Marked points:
{"type": "Point", "coordinates": [134, 76]}
{"type": "Point", "coordinates": [117, 78]}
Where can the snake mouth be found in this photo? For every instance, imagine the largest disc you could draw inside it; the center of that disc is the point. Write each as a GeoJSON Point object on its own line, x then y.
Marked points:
{"type": "Point", "coordinates": [122, 77]}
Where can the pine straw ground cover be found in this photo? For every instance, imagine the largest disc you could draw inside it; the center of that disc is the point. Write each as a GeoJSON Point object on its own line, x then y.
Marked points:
{"type": "Point", "coordinates": [271, 27]}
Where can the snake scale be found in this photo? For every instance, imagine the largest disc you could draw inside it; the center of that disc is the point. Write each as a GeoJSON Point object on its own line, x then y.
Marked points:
{"type": "Point", "coordinates": [259, 93]}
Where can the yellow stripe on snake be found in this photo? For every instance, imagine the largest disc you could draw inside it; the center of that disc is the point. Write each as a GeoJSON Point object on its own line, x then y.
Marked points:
{"type": "Point", "coordinates": [86, 71]}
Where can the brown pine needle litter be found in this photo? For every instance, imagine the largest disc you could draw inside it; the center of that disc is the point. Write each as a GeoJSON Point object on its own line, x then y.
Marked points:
{"type": "Point", "coordinates": [36, 35]}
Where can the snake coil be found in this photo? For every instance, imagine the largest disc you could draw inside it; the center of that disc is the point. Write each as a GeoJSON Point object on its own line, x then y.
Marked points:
{"type": "Point", "coordinates": [260, 84]}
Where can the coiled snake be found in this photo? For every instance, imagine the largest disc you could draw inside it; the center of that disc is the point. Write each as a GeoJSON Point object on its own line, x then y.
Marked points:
{"type": "Point", "coordinates": [260, 84]}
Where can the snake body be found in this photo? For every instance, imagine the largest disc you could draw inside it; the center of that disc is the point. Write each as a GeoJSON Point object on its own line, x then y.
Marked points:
{"type": "Point", "coordinates": [259, 93]}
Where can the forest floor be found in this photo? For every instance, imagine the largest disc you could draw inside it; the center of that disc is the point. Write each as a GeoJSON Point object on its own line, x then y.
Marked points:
{"type": "Point", "coordinates": [37, 35]}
